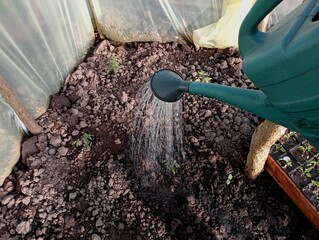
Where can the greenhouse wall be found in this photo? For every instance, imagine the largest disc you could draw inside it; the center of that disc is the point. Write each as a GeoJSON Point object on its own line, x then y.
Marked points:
{"type": "Point", "coordinates": [41, 42]}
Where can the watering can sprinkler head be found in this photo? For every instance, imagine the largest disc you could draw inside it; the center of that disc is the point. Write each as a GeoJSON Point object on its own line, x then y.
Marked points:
{"type": "Point", "coordinates": [168, 86]}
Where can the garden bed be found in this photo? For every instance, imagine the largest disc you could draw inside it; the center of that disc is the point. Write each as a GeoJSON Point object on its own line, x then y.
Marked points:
{"type": "Point", "coordinates": [77, 179]}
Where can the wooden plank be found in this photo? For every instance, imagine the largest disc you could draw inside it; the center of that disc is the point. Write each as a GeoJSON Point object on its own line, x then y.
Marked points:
{"type": "Point", "coordinates": [293, 191]}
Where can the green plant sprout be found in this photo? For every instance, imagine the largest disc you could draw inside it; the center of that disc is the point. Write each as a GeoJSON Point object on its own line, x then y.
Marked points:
{"type": "Point", "coordinates": [85, 141]}
{"type": "Point", "coordinates": [113, 64]}
{"type": "Point", "coordinates": [305, 149]}
{"type": "Point", "coordinates": [309, 166]}
{"type": "Point", "coordinates": [280, 147]}
{"type": "Point", "coordinates": [317, 184]}
{"type": "Point", "coordinates": [171, 166]}
{"type": "Point", "coordinates": [287, 161]}
{"type": "Point", "coordinates": [289, 135]}
{"type": "Point", "coordinates": [203, 77]}
{"type": "Point", "coordinates": [229, 179]}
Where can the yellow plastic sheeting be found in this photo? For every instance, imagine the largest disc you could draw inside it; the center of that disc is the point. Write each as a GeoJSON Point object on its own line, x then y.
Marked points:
{"type": "Point", "coordinates": [224, 33]}
{"type": "Point", "coordinates": [11, 135]}
{"type": "Point", "coordinates": [155, 20]}
{"type": "Point", "coordinates": [41, 41]}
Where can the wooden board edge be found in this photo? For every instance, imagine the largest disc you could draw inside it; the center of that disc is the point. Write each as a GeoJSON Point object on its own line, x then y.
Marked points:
{"type": "Point", "coordinates": [293, 191]}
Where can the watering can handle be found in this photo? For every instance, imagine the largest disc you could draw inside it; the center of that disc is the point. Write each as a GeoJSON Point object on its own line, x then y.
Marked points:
{"type": "Point", "coordinates": [249, 35]}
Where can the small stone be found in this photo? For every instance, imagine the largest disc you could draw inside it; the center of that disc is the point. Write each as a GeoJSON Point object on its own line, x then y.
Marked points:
{"type": "Point", "coordinates": [208, 113]}
{"type": "Point", "coordinates": [56, 141]}
{"type": "Point", "coordinates": [124, 97]}
{"type": "Point", "coordinates": [117, 141]}
{"type": "Point", "coordinates": [186, 48]}
{"type": "Point", "coordinates": [52, 151]}
{"type": "Point", "coordinates": [72, 195]}
{"type": "Point", "coordinates": [58, 102]}
{"type": "Point", "coordinates": [83, 124]}
{"type": "Point", "coordinates": [193, 139]}
{"type": "Point", "coordinates": [223, 65]}
{"type": "Point", "coordinates": [98, 50]}
{"type": "Point", "coordinates": [191, 200]}
{"type": "Point", "coordinates": [95, 212]}
{"type": "Point", "coordinates": [11, 203]}
{"type": "Point", "coordinates": [175, 223]}
{"type": "Point", "coordinates": [6, 199]}
{"type": "Point", "coordinates": [219, 139]}
{"type": "Point", "coordinates": [238, 120]}
{"type": "Point", "coordinates": [131, 196]}
{"type": "Point", "coordinates": [99, 223]}
{"type": "Point", "coordinates": [63, 151]}
{"type": "Point", "coordinates": [95, 237]}
{"type": "Point", "coordinates": [75, 132]}
{"type": "Point", "coordinates": [23, 227]}
{"type": "Point", "coordinates": [245, 129]}
{"type": "Point", "coordinates": [120, 226]}
{"type": "Point", "coordinates": [8, 186]}
{"type": "Point", "coordinates": [29, 148]}
{"type": "Point", "coordinates": [111, 182]}
{"type": "Point", "coordinates": [26, 200]}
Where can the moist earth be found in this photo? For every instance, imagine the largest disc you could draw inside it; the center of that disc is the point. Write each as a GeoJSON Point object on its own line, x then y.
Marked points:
{"type": "Point", "coordinates": [77, 180]}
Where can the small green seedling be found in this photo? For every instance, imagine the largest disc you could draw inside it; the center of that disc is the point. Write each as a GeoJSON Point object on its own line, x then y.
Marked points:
{"type": "Point", "coordinates": [85, 141]}
{"type": "Point", "coordinates": [316, 183]}
{"type": "Point", "coordinates": [280, 147]}
{"type": "Point", "coordinates": [113, 64]}
{"type": "Point", "coordinates": [305, 149]}
{"type": "Point", "coordinates": [171, 166]}
{"type": "Point", "coordinates": [229, 179]}
{"type": "Point", "coordinates": [289, 135]}
{"type": "Point", "coordinates": [203, 77]}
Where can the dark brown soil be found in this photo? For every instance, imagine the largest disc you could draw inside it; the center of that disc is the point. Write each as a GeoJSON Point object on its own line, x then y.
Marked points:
{"type": "Point", "coordinates": [65, 189]}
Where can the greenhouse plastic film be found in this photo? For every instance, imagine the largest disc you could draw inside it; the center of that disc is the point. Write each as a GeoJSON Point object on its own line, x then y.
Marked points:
{"type": "Point", "coordinates": [205, 23]}
{"type": "Point", "coordinates": [155, 20]}
{"type": "Point", "coordinates": [224, 33]}
{"type": "Point", "coordinates": [41, 41]}
{"type": "Point", "coordinates": [11, 136]}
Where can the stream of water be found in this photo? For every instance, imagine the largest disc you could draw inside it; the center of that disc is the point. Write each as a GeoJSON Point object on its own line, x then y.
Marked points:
{"type": "Point", "coordinates": [157, 139]}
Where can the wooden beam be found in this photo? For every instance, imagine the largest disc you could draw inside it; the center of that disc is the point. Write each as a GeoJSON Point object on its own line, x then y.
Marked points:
{"type": "Point", "coordinates": [13, 100]}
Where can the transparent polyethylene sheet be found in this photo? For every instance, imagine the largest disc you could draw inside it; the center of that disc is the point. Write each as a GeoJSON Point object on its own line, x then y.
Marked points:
{"type": "Point", "coordinates": [40, 43]}
{"type": "Point", "coordinates": [169, 20]}
{"type": "Point", "coordinates": [284, 8]}
{"type": "Point", "coordinates": [155, 20]}
{"type": "Point", "coordinates": [11, 135]}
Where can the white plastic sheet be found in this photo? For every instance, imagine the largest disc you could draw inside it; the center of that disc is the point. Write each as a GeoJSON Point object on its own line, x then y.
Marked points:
{"type": "Point", "coordinates": [40, 42]}
{"type": "Point", "coordinates": [11, 135]}
{"type": "Point", "coordinates": [155, 20]}
{"type": "Point", "coordinates": [284, 8]}
{"type": "Point", "coordinates": [176, 20]}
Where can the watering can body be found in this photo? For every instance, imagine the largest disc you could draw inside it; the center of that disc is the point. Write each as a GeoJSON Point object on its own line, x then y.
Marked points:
{"type": "Point", "coordinates": [283, 63]}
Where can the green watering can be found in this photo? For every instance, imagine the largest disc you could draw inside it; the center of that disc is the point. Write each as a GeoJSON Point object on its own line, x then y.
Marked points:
{"type": "Point", "coordinates": [283, 63]}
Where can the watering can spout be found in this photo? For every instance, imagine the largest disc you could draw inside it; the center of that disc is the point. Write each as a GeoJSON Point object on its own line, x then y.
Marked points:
{"type": "Point", "coordinates": [168, 86]}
